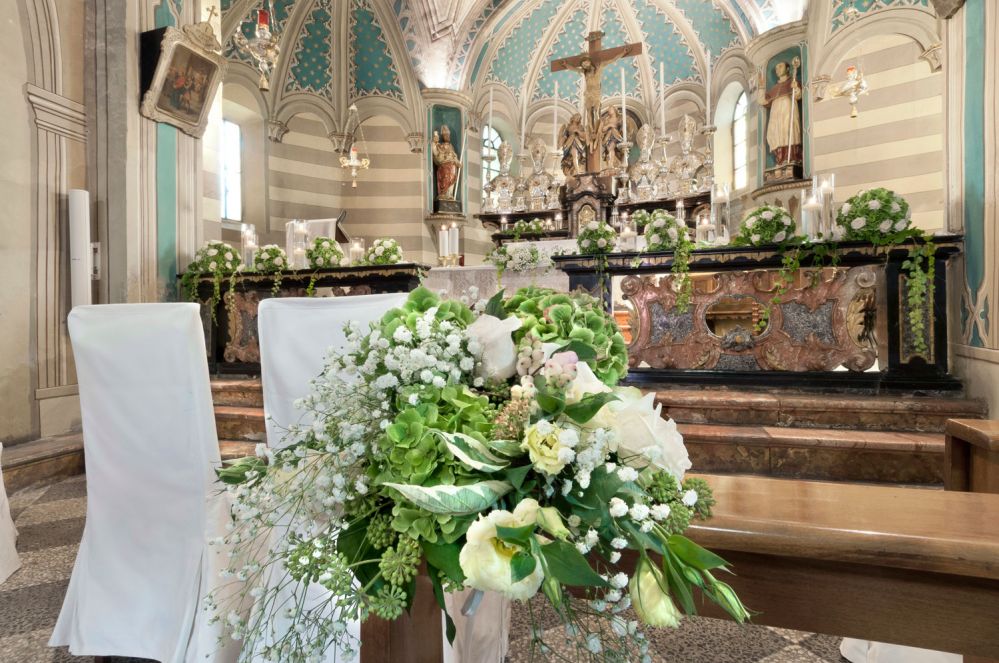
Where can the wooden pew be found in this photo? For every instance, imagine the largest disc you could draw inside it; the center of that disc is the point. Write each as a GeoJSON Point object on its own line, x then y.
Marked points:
{"type": "Point", "coordinates": [909, 566]}
{"type": "Point", "coordinates": [971, 457]}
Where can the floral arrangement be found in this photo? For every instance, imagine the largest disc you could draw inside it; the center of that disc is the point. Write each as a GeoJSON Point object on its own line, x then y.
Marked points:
{"type": "Point", "coordinates": [535, 226]}
{"type": "Point", "coordinates": [596, 238]}
{"type": "Point", "coordinates": [642, 218]}
{"type": "Point", "coordinates": [385, 251]}
{"type": "Point", "coordinates": [664, 232]}
{"type": "Point", "coordinates": [216, 259]}
{"type": "Point", "coordinates": [324, 252]}
{"type": "Point", "coordinates": [518, 258]}
{"type": "Point", "coordinates": [270, 259]}
{"type": "Point", "coordinates": [873, 214]}
{"type": "Point", "coordinates": [491, 446]}
{"type": "Point", "coordinates": [767, 224]}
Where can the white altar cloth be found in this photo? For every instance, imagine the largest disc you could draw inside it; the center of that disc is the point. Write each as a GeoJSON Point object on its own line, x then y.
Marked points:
{"type": "Point", "coordinates": [456, 281]}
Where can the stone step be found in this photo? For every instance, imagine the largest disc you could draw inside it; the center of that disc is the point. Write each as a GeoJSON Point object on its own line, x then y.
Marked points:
{"type": "Point", "coordinates": [240, 423]}
{"type": "Point", "coordinates": [816, 453]}
{"type": "Point", "coordinates": [801, 410]}
{"type": "Point", "coordinates": [240, 393]}
{"type": "Point", "coordinates": [44, 460]}
{"type": "Point", "coordinates": [233, 449]}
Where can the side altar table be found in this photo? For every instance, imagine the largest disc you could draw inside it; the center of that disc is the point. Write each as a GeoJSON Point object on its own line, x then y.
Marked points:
{"type": "Point", "coordinates": [231, 337]}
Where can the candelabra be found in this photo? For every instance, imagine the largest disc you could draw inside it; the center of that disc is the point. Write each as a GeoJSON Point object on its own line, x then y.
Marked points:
{"type": "Point", "coordinates": [663, 185]}
{"type": "Point", "coordinates": [708, 179]}
{"type": "Point", "coordinates": [539, 183]}
{"type": "Point", "coordinates": [504, 184]}
{"type": "Point", "coordinates": [264, 48]}
{"type": "Point", "coordinates": [520, 190]}
{"type": "Point", "coordinates": [624, 191]}
{"type": "Point", "coordinates": [488, 204]}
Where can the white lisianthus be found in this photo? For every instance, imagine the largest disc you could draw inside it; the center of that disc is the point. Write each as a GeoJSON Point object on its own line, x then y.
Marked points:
{"type": "Point", "coordinates": [485, 559]}
{"type": "Point", "coordinates": [672, 233]}
{"type": "Point", "coordinates": [766, 215]}
{"type": "Point", "coordinates": [494, 338]}
{"type": "Point", "coordinates": [601, 242]}
{"type": "Point", "coordinates": [874, 204]}
{"type": "Point", "coordinates": [858, 223]}
{"type": "Point", "coordinates": [592, 225]}
{"type": "Point", "coordinates": [755, 239]}
{"type": "Point", "coordinates": [885, 226]}
{"type": "Point", "coordinates": [649, 600]}
{"type": "Point", "coordinates": [278, 260]}
{"type": "Point", "coordinates": [845, 209]}
{"type": "Point", "coordinates": [900, 224]}
{"type": "Point", "coordinates": [779, 237]}
{"type": "Point", "coordinates": [644, 437]}
{"type": "Point", "coordinates": [213, 252]}
{"type": "Point", "coordinates": [750, 222]}
{"type": "Point", "coordinates": [895, 207]}
{"type": "Point", "coordinates": [546, 445]}
{"type": "Point", "coordinates": [655, 239]}
{"type": "Point", "coordinates": [585, 243]}
{"type": "Point", "coordinates": [786, 220]}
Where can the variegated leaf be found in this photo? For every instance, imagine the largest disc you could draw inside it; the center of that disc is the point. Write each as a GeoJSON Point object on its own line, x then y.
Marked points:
{"type": "Point", "coordinates": [454, 500]}
{"type": "Point", "coordinates": [473, 453]}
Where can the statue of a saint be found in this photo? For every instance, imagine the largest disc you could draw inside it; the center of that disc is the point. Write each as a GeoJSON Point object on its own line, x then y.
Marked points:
{"type": "Point", "coordinates": [610, 136]}
{"type": "Point", "coordinates": [447, 164]}
{"type": "Point", "coordinates": [784, 124]}
{"type": "Point", "coordinates": [573, 145]}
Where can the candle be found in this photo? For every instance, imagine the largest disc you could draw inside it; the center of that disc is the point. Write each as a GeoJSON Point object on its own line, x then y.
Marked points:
{"type": "Point", "coordinates": [555, 120]}
{"type": "Point", "coordinates": [624, 116]}
{"type": "Point", "coordinates": [662, 97]}
{"type": "Point", "coordinates": [707, 86]}
{"type": "Point", "coordinates": [356, 251]}
{"type": "Point", "coordinates": [452, 244]}
{"type": "Point", "coordinates": [442, 242]}
{"type": "Point", "coordinates": [827, 183]}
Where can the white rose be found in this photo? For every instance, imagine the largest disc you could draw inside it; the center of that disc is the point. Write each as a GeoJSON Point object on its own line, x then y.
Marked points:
{"type": "Point", "coordinates": [585, 243]}
{"type": "Point", "coordinates": [750, 222]}
{"type": "Point", "coordinates": [213, 252]}
{"type": "Point", "coordinates": [326, 245]}
{"type": "Point", "coordinates": [278, 260]}
{"type": "Point", "coordinates": [786, 220]}
{"type": "Point", "coordinates": [874, 204]}
{"type": "Point", "coordinates": [672, 233]}
{"type": "Point", "coordinates": [779, 237]}
{"type": "Point", "coordinates": [586, 382]}
{"type": "Point", "coordinates": [592, 225]}
{"type": "Point", "coordinates": [499, 353]}
{"type": "Point", "coordinates": [601, 242]}
{"type": "Point", "coordinates": [858, 223]}
{"type": "Point", "coordinates": [900, 224]}
{"type": "Point", "coordinates": [319, 261]}
{"type": "Point", "coordinates": [655, 239]}
{"type": "Point", "coordinates": [212, 265]}
{"type": "Point", "coordinates": [228, 265]}
{"type": "Point", "coordinates": [659, 223]}
{"type": "Point", "coordinates": [885, 226]}
{"type": "Point", "coordinates": [755, 239]}
{"type": "Point", "coordinates": [895, 207]}
{"type": "Point", "coordinates": [766, 215]}
{"type": "Point", "coordinates": [485, 560]}
{"type": "Point", "coordinates": [228, 255]}
{"type": "Point", "coordinates": [379, 250]}
{"type": "Point", "coordinates": [845, 209]}
{"type": "Point", "coordinates": [644, 437]}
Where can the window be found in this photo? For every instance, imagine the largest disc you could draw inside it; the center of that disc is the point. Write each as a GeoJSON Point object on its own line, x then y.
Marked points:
{"type": "Point", "coordinates": [231, 156]}
{"type": "Point", "coordinates": [490, 143]}
{"type": "Point", "coordinates": [740, 143]}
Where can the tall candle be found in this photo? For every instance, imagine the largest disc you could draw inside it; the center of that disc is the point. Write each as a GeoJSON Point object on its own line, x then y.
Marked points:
{"type": "Point", "coordinates": [452, 244]}
{"type": "Point", "coordinates": [624, 116]}
{"type": "Point", "coordinates": [707, 85]}
{"type": "Point", "coordinates": [555, 120]}
{"type": "Point", "coordinates": [442, 241]}
{"type": "Point", "coordinates": [662, 97]}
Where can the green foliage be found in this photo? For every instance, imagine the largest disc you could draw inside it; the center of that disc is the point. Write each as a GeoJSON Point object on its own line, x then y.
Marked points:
{"type": "Point", "coordinates": [383, 251]}
{"type": "Point", "coordinates": [399, 564]}
{"type": "Point", "coordinates": [324, 253]}
{"type": "Point", "coordinates": [878, 216]}
{"type": "Point", "coordinates": [217, 260]}
{"type": "Point", "coordinates": [597, 238]}
{"type": "Point", "coordinates": [271, 259]}
{"type": "Point", "coordinates": [564, 563]}
{"type": "Point", "coordinates": [767, 224]}
{"type": "Point", "coordinates": [535, 226]}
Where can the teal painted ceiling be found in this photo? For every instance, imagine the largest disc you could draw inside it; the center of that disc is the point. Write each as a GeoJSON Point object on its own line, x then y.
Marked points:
{"type": "Point", "coordinates": [372, 70]}
{"type": "Point", "coordinates": [311, 65]}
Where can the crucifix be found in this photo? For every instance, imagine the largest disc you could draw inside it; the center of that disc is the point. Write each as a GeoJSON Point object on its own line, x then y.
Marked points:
{"type": "Point", "coordinates": [591, 64]}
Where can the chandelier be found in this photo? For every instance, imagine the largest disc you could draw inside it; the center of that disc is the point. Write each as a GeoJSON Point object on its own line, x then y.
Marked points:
{"type": "Point", "coordinates": [855, 84]}
{"type": "Point", "coordinates": [353, 162]}
{"type": "Point", "coordinates": [263, 48]}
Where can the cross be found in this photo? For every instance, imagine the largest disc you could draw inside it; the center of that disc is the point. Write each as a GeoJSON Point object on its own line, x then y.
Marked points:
{"type": "Point", "coordinates": [591, 65]}
{"type": "Point", "coordinates": [212, 12]}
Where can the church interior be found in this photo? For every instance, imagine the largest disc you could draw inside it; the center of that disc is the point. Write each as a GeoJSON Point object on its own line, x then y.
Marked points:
{"type": "Point", "coordinates": [560, 309]}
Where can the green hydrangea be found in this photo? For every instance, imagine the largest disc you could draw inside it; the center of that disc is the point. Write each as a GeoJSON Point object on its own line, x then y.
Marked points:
{"type": "Point", "coordinates": [419, 524]}
{"type": "Point", "coordinates": [560, 318]}
{"type": "Point", "coordinates": [413, 447]}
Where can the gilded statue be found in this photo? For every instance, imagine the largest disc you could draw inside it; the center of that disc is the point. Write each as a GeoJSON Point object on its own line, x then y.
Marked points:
{"type": "Point", "coordinates": [447, 164]}
{"type": "Point", "coordinates": [572, 142]}
{"type": "Point", "coordinates": [610, 133]}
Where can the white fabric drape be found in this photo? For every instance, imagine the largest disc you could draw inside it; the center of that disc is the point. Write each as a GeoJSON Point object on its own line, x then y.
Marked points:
{"type": "Point", "coordinates": [9, 561]}
{"type": "Point", "coordinates": [296, 334]}
{"type": "Point", "coordinates": [865, 651]}
{"type": "Point", "coordinates": [144, 564]}
{"type": "Point", "coordinates": [482, 637]}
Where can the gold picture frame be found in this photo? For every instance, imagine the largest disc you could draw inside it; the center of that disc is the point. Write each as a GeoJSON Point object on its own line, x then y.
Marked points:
{"type": "Point", "coordinates": [187, 75]}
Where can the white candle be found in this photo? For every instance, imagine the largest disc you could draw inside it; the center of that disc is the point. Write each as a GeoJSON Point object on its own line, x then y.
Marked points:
{"type": "Point", "coordinates": [442, 242]}
{"type": "Point", "coordinates": [828, 183]}
{"type": "Point", "coordinates": [555, 120]}
{"type": "Point", "coordinates": [707, 85]}
{"type": "Point", "coordinates": [624, 116]}
{"type": "Point", "coordinates": [452, 244]}
{"type": "Point", "coordinates": [662, 97]}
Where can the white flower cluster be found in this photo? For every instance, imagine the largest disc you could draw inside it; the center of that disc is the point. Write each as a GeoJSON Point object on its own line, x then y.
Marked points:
{"type": "Point", "coordinates": [323, 253]}
{"type": "Point", "coordinates": [872, 214]}
{"type": "Point", "coordinates": [596, 238]}
{"type": "Point", "coordinates": [384, 251]}
{"type": "Point", "coordinates": [664, 232]}
{"type": "Point", "coordinates": [270, 258]}
{"type": "Point", "coordinates": [767, 224]}
{"type": "Point", "coordinates": [215, 257]}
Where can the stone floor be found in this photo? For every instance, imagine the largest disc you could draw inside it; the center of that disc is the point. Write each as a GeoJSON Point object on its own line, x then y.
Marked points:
{"type": "Point", "coordinates": [50, 521]}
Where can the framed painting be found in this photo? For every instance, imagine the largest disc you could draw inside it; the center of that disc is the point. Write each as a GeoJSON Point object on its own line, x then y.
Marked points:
{"type": "Point", "coordinates": [181, 73]}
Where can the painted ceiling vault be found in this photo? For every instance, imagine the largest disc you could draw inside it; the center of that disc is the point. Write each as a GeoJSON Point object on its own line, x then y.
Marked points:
{"type": "Point", "coordinates": [395, 47]}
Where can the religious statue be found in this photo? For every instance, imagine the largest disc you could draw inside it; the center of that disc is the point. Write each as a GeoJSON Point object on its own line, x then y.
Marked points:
{"type": "Point", "coordinates": [610, 133]}
{"type": "Point", "coordinates": [784, 123]}
{"type": "Point", "coordinates": [447, 165]}
{"type": "Point", "coordinates": [572, 142]}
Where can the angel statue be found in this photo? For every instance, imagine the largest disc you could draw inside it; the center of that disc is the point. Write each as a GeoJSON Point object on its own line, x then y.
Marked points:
{"type": "Point", "coordinates": [572, 142]}
{"type": "Point", "coordinates": [610, 135]}
{"type": "Point", "coordinates": [447, 164]}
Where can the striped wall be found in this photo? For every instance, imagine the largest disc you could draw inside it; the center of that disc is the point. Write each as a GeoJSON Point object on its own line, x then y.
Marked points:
{"type": "Point", "coordinates": [477, 241]}
{"type": "Point", "coordinates": [898, 139]}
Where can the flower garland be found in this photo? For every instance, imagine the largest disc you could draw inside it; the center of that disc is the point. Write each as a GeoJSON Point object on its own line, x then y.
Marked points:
{"type": "Point", "coordinates": [495, 457]}
{"type": "Point", "coordinates": [384, 251]}
{"type": "Point", "coordinates": [597, 238]}
{"type": "Point", "coordinates": [664, 232]}
{"type": "Point", "coordinates": [324, 253]}
{"type": "Point", "coordinates": [271, 259]}
{"type": "Point", "coordinates": [767, 224]}
{"type": "Point", "coordinates": [217, 259]}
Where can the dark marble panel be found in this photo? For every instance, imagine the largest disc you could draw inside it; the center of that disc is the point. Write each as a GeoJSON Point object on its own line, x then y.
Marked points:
{"type": "Point", "coordinates": [856, 465]}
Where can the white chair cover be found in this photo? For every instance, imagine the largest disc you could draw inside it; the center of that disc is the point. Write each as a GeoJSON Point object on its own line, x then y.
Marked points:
{"type": "Point", "coordinates": [144, 563]}
{"type": "Point", "coordinates": [295, 334]}
{"type": "Point", "coordinates": [482, 637]}
{"type": "Point", "coordinates": [865, 651]}
{"type": "Point", "coordinates": [9, 561]}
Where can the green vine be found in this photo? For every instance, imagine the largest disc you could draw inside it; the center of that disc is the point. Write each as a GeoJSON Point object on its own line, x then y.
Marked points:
{"type": "Point", "coordinates": [681, 274]}
{"type": "Point", "coordinates": [217, 260]}
{"type": "Point", "coordinates": [918, 283]}
{"type": "Point", "coordinates": [310, 290]}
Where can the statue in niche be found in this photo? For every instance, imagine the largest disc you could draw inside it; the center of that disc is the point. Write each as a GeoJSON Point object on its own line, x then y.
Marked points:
{"type": "Point", "coordinates": [447, 165]}
{"type": "Point", "coordinates": [784, 119]}
{"type": "Point", "coordinates": [572, 142]}
{"type": "Point", "coordinates": [610, 134]}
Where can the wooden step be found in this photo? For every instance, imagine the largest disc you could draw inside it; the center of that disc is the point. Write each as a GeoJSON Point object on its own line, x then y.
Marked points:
{"type": "Point", "coordinates": [37, 461]}
{"type": "Point", "coordinates": [239, 423]}
{"type": "Point", "coordinates": [240, 393]}
{"type": "Point", "coordinates": [233, 449]}
{"type": "Point", "coordinates": [816, 453]}
{"type": "Point", "coordinates": [873, 413]}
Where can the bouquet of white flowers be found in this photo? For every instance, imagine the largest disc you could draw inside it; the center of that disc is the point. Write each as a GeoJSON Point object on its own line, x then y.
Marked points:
{"type": "Point", "coordinates": [385, 251]}
{"type": "Point", "coordinates": [596, 238]}
{"type": "Point", "coordinates": [270, 259]}
{"type": "Point", "coordinates": [216, 259]}
{"type": "Point", "coordinates": [873, 215]}
{"type": "Point", "coordinates": [518, 258]}
{"type": "Point", "coordinates": [324, 252]}
{"type": "Point", "coordinates": [664, 232]}
{"type": "Point", "coordinates": [767, 224]}
{"type": "Point", "coordinates": [492, 447]}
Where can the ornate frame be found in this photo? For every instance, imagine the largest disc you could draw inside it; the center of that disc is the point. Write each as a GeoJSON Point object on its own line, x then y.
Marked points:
{"type": "Point", "coordinates": [200, 40]}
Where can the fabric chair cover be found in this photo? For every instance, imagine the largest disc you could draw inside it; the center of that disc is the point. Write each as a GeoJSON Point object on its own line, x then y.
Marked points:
{"type": "Point", "coordinates": [295, 335]}
{"type": "Point", "coordinates": [144, 564]}
{"type": "Point", "coordinates": [865, 651]}
{"type": "Point", "coordinates": [9, 561]}
{"type": "Point", "coordinates": [482, 637]}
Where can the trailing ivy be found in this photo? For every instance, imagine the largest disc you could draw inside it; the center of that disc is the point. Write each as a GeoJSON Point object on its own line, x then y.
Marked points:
{"type": "Point", "coordinates": [215, 259]}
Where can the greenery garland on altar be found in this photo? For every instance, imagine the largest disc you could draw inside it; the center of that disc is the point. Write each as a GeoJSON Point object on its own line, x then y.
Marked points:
{"type": "Point", "coordinates": [490, 444]}
{"type": "Point", "coordinates": [216, 259]}
{"type": "Point", "coordinates": [271, 259]}
{"type": "Point", "coordinates": [664, 232]}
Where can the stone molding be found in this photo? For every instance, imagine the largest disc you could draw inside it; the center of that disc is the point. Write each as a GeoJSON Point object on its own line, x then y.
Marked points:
{"type": "Point", "coordinates": [57, 114]}
{"type": "Point", "coordinates": [417, 142]}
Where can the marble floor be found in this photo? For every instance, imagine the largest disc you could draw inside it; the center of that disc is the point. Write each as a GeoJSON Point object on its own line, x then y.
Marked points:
{"type": "Point", "coordinates": [50, 520]}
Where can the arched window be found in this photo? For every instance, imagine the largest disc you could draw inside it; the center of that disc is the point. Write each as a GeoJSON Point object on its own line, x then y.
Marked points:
{"type": "Point", "coordinates": [740, 142]}
{"type": "Point", "coordinates": [231, 157]}
{"type": "Point", "coordinates": [490, 143]}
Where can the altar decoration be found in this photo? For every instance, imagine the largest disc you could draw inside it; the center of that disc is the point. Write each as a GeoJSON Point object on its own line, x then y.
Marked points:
{"type": "Point", "coordinates": [535, 226]}
{"type": "Point", "coordinates": [490, 448]}
{"type": "Point", "coordinates": [596, 238]}
{"type": "Point", "coordinates": [666, 233]}
{"type": "Point", "coordinates": [271, 259]}
{"type": "Point", "coordinates": [641, 218]}
{"type": "Point", "coordinates": [765, 225]}
{"type": "Point", "coordinates": [324, 252]}
{"type": "Point", "coordinates": [873, 214]}
{"type": "Point", "coordinates": [384, 251]}
{"type": "Point", "coordinates": [265, 46]}
{"type": "Point", "coordinates": [216, 259]}
{"type": "Point", "coordinates": [518, 258]}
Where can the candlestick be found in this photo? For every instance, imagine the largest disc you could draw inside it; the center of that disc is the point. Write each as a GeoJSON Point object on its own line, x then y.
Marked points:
{"type": "Point", "coordinates": [624, 112]}
{"type": "Point", "coordinates": [555, 120]}
{"type": "Point", "coordinates": [442, 241]}
{"type": "Point", "coordinates": [356, 251]}
{"type": "Point", "coordinates": [662, 97]}
{"type": "Point", "coordinates": [707, 111]}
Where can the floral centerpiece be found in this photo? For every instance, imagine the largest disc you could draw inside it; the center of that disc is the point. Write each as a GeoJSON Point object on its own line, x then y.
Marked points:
{"type": "Point", "coordinates": [874, 214]}
{"type": "Point", "coordinates": [664, 232]}
{"type": "Point", "coordinates": [492, 447]}
{"type": "Point", "coordinates": [518, 258]}
{"type": "Point", "coordinates": [535, 226]}
{"type": "Point", "coordinates": [270, 259]}
{"type": "Point", "coordinates": [216, 259]}
{"type": "Point", "coordinates": [324, 252]}
{"type": "Point", "coordinates": [767, 224]}
{"type": "Point", "coordinates": [642, 218]}
{"type": "Point", "coordinates": [384, 251]}
{"type": "Point", "coordinates": [596, 238]}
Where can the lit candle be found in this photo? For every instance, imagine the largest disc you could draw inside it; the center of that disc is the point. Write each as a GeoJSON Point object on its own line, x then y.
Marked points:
{"type": "Point", "coordinates": [662, 97]}
{"type": "Point", "coordinates": [624, 116]}
{"type": "Point", "coordinates": [707, 86]}
{"type": "Point", "coordinates": [356, 251]}
{"type": "Point", "coordinates": [453, 239]}
{"type": "Point", "coordinates": [555, 120]}
{"type": "Point", "coordinates": [442, 249]}
{"type": "Point", "coordinates": [828, 183]}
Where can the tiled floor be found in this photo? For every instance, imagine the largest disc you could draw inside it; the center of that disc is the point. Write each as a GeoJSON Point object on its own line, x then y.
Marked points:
{"type": "Point", "coordinates": [50, 520]}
